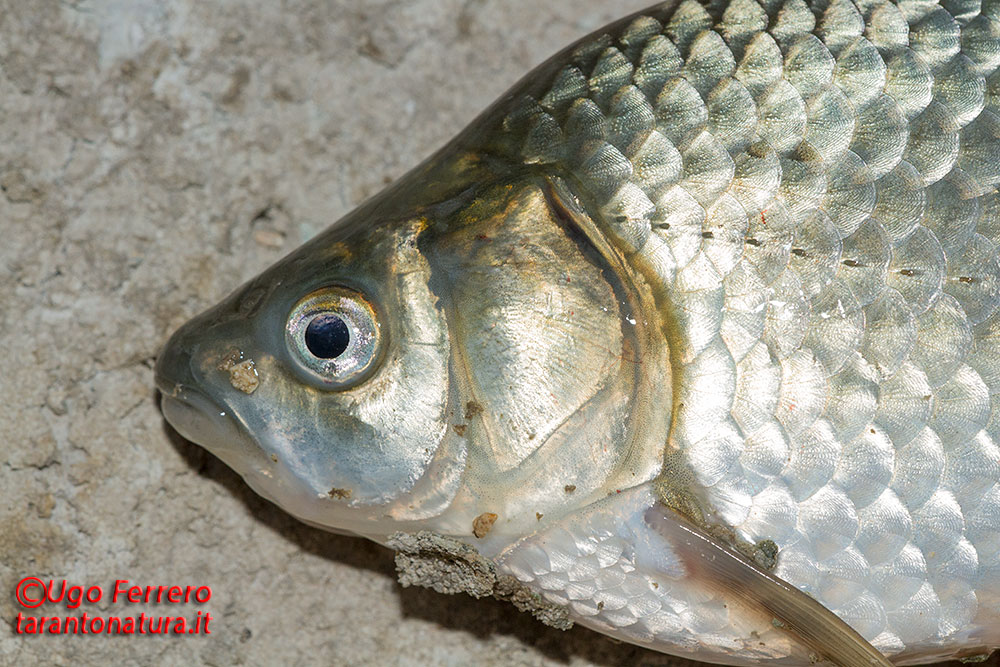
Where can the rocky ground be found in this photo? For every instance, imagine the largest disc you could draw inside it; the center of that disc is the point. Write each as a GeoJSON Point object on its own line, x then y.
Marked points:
{"type": "Point", "coordinates": [153, 156]}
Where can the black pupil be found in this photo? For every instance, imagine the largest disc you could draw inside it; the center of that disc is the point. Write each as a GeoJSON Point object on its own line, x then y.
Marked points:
{"type": "Point", "coordinates": [327, 336]}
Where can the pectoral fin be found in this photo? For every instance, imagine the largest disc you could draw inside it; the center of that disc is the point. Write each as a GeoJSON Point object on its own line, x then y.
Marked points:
{"type": "Point", "coordinates": [791, 610]}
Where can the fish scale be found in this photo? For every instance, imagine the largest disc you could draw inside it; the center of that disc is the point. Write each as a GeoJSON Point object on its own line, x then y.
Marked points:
{"type": "Point", "coordinates": [858, 141]}
{"type": "Point", "coordinates": [692, 338]}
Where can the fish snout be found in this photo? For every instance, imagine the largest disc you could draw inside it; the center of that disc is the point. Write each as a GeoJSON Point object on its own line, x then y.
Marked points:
{"type": "Point", "coordinates": [173, 365]}
{"type": "Point", "coordinates": [187, 405]}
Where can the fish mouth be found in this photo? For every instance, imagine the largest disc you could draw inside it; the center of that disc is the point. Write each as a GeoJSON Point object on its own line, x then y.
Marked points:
{"type": "Point", "coordinates": [190, 411]}
{"type": "Point", "coordinates": [213, 425]}
{"type": "Point", "coordinates": [197, 418]}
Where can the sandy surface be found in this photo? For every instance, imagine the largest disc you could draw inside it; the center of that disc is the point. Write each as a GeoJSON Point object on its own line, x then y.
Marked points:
{"type": "Point", "coordinates": [153, 156]}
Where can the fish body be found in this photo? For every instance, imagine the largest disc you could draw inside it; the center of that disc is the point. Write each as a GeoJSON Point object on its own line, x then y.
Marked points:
{"type": "Point", "coordinates": [691, 338]}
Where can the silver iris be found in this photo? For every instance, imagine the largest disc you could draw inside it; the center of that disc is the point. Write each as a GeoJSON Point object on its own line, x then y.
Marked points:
{"type": "Point", "coordinates": [334, 336]}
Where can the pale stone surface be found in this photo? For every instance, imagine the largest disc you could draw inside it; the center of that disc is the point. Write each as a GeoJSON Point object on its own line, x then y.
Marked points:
{"type": "Point", "coordinates": [154, 155]}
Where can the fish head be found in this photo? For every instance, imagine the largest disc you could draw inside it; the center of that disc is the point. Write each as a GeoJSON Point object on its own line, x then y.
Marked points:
{"type": "Point", "coordinates": [436, 356]}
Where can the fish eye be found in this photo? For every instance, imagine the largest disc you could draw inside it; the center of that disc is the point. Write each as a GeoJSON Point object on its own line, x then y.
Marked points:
{"type": "Point", "coordinates": [334, 336]}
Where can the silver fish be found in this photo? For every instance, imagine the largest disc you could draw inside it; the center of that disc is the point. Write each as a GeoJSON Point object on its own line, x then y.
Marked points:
{"type": "Point", "coordinates": [692, 338]}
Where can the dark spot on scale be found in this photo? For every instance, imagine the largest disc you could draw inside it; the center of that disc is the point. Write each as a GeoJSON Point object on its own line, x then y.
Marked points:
{"type": "Point", "coordinates": [850, 262]}
{"type": "Point", "coordinates": [460, 428]}
{"type": "Point", "coordinates": [621, 218]}
{"type": "Point", "coordinates": [707, 235]}
{"type": "Point", "coordinates": [339, 494]}
{"type": "Point", "coordinates": [663, 225]}
{"type": "Point", "coordinates": [907, 272]}
{"type": "Point", "coordinates": [752, 241]}
{"type": "Point", "coordinates": [473, 409]}
{"type": "Point", "coordinates": [799, 252]}
{"type": "Point", "coordinates": [966, 279]}
{"type": "Point", "coordinates": [569, 488]}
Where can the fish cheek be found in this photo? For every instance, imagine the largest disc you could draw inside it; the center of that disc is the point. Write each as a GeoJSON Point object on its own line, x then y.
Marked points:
{"type": "Point", "coordinates": [377, 439]}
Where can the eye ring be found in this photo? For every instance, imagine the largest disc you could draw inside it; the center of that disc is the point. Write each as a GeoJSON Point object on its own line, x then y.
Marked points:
{"type": "Point", "coordinates": [334, 335]}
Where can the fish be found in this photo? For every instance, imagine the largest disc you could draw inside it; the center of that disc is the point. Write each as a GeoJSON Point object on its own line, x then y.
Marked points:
{"type": "Point", "coordinates": [691, 338]}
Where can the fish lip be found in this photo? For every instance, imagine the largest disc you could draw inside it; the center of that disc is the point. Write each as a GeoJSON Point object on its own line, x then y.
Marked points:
{"type": "Point", "coordinates": [195, 416]}
{"type": "Point", "coordinates": [192, 412]}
